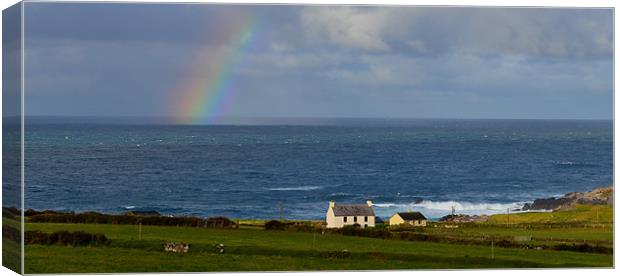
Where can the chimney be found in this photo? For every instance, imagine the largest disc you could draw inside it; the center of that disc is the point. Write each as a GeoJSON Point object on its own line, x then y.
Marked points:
{"type": "Point", "coordinates": [369, 202]}
{"type": "Point", "coordinates": [331, 204]}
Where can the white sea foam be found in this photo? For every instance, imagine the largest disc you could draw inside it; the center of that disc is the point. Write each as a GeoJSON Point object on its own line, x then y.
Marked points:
{"type": "Point", "coordinates": [301, 188]}
{"type": "Point", "coordinates": [467, 206]}
{"type": "Point", "coordinates": [436, 209]}
{"type": "Point", "coordinates": [130, 207]}
{"type": "Point", "coordinates": [388, 205]}
{"type": "Point", "coordinates": [343, 194]}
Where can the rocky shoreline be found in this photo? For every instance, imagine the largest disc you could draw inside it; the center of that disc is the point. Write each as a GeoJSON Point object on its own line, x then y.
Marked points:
{"type": "Point", "coordinates": [598, 196]}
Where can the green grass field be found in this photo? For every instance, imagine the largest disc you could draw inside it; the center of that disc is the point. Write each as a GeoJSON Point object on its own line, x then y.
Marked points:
{"type": "Point", "coordinates": [11, 255]}
{"type": "Point", "coordinates": [593, 235]}
{"type": "Point", "coordinates": [590, 223]}
{"type": "Point", "coordinates": [251, 248]}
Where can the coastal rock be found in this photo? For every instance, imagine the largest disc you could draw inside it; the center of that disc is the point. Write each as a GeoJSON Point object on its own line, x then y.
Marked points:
{"type": "Point", "coordinates": [597, 196]}
{"type": "Point", "coordinates": [546, 203]}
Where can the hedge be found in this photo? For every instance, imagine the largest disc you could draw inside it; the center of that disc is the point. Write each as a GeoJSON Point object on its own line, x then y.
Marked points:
{"type": "Point", "coordinates": [78, 238]}
{"type": "Point", "coordinates": [98, 218]}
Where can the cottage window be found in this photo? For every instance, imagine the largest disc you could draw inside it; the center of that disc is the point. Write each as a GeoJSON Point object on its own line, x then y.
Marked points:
{"type": "Point", "coordinates": [365, 219]}
{"type": "Point", "coordinates": [345, 219]}
{"type": "Point", "coordinates": [365, 225]}
{"type": "Point", "coordinates": [354, 219]}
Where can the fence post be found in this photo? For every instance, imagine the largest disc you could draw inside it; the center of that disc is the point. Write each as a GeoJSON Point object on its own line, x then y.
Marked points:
{"type": "Point", "coordinates": [508, 211]}
{"type": "Point", "coordinates": [313, 238]}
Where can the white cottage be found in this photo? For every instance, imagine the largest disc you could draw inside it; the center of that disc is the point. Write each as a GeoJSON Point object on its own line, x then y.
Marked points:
{"type": "Point", "coordinates": [340, 215]}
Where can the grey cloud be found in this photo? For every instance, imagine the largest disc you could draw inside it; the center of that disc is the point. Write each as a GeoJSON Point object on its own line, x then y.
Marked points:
{"type": "Point", "coordinates": [424, 30]}
{"type": "Point", "coordinates": [132, 78]}
{"type": "Point", "coordinates": [458, 75]}
{"type": "Point", "coordinates": [348, 26]}
{"type": "Point", "coordinates": [181, 23]}
{"type": "Point", "coordinates": [327, 61]}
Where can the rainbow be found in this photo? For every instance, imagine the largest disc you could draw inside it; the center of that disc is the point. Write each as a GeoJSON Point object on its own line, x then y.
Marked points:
{"type": "Point", "coordinates": [205, 93]}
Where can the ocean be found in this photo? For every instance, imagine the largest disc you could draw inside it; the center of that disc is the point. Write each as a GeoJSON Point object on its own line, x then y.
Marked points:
{"type": "Point", "coordinates": [289, 170]}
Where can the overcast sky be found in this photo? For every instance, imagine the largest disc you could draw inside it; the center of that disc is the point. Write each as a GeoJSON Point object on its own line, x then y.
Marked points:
{"type": "Point", "coordinates": [323, 61]}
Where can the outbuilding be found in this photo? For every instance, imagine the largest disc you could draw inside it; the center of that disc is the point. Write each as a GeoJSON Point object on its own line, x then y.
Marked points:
{"type": "Point", "coordinates": [408, 218]}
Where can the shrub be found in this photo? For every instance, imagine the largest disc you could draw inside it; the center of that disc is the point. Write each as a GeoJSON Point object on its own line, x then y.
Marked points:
{"type": "Point", "coordinates": [98, 218]}
{"type": "Point", "coordinates": [219, 222]}
{"type": "Point", "coordinates": [584, 247]}
{"type": "Point", "coordinates": [275, 225]}
{"type": "Point", "coordinates": [506, 243]}
{"type": "Point", "coordinates": [10, 212]}
{"type": "Point", "coordinates": [77, 238]}
{"type": "Point", "coordinates": [11, 233]}
{"type": "Point", "coordinates": [31, 212]}
{"type": "Point", "coordinates": [411, 236]}
{"type": "Point", "coordinates": [302, 226]}
{"type": "Point", "coordinates": [352, 230]}
{"type": "Point", "coordinates": [338, 254]}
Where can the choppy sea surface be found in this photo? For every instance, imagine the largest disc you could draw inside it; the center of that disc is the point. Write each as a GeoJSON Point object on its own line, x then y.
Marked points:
{"type": "Point", "coordinates": [264, 171]}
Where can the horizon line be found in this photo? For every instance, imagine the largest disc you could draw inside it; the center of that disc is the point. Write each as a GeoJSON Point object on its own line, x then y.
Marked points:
{"type": "Point", "coordinates": [167, 120]}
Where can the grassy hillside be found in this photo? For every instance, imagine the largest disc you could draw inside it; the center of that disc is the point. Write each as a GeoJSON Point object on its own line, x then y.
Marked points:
{"type": "Point", "coordinates": [583, 223]}
{"type": "Point", "coordinates": [590, 214]}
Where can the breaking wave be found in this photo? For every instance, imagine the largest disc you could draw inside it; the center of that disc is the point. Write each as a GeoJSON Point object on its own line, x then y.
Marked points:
{"type": "Point", "coordinates": [570, 164]}
{"type": "Point", "coordinates": [437, 209]}
{"type": "Point", "coordinates": [467, 206]}
{"type": "Point", "coordinates": [341, 194]}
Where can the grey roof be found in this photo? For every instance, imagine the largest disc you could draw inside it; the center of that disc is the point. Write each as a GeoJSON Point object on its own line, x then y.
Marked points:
{"type": "Point", "coordinates": [341, 210]}
{"type": "Point", "coordinates": [412, 216]}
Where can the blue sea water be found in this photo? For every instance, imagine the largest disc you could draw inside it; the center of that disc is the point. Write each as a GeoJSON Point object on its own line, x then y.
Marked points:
{"type": "Point", "coordinates": [249, 171]}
